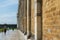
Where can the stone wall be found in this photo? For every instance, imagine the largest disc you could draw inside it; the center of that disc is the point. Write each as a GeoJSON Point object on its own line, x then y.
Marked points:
{"type": "Point", "coordinates": [51, 19]}
{"type": "Point", "coordinates": [27, 17]}
{"type": "Point", "coordinates": [21, 15]}
{"type": "Point", "coordinates": [47, 18]}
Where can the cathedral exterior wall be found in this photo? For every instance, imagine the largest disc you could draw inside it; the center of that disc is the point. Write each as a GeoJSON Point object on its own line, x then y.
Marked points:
{"type": "Point", "coordinates": [51, 19]}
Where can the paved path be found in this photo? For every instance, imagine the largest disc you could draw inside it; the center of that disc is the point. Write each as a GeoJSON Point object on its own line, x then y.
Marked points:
{"type": "Point", "coordinates": [12, 35]}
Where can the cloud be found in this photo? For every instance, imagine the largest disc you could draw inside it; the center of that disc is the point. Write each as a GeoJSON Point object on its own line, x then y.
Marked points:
{"type": "Point", "coordinates": [10, 14]}
{"type": "Point", "coordinates": [8, 18]}
{"type": "Point", "coordinates": [8, 3]}
{"type": "Point", "coordinates": [8, 11]}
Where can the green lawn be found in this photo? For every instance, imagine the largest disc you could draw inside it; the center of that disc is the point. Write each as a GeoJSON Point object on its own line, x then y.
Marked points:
{"type": "Point", "coordinates": [1, 29]}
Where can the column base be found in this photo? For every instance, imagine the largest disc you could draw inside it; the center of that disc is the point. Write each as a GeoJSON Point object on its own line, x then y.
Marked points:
{"type": "Point", "coordinates": [29, 36]}
{"type": "Point", "coordinates": [25, 33]}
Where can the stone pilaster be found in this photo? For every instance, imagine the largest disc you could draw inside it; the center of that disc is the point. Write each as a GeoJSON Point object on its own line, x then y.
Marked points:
{"type": "Point", "coordinates": [25, 17]}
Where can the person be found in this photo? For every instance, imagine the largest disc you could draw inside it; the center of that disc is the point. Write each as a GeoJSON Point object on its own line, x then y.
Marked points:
{"type": "Point", "coordinates": [5, 29]}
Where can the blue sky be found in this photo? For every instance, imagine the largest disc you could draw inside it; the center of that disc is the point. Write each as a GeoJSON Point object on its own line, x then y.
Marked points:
{"type": "Point", "coordinates": [8, 11]}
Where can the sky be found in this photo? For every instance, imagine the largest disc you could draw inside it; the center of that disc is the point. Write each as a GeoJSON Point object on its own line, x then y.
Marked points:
{"type": "Point", "coordinates": [8, 11]}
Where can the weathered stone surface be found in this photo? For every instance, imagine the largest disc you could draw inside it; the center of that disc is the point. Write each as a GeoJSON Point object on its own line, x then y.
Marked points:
{"type": "Point", "coordinates": [21, 15]}
{"type": "Point", "coordinates": [27, 17]}
{"type": "Point", "coordinates": [32, 17]}
{"type": "Point", "coordinates": [51, 17]}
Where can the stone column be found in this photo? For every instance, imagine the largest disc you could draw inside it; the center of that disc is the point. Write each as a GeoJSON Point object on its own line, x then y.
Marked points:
{"type": "Point", "coordinates": [29, 18]}
{"type": "Point", "coordinates": [17, 21]}
{"type": "Point", "coordinates": [18, 16]}
{"type": "Point", "coordinates": [32, 20]}
{"type": "Point", "coordinates": [39, 19]}
{"type": "Point", "coordinates": [25, 17]}
{"type": "Point", "coordinates": [21, 14]}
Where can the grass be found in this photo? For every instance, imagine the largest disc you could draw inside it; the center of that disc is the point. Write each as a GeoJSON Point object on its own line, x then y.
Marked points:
{"type": "Point", "coordinates": [2, 29]}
